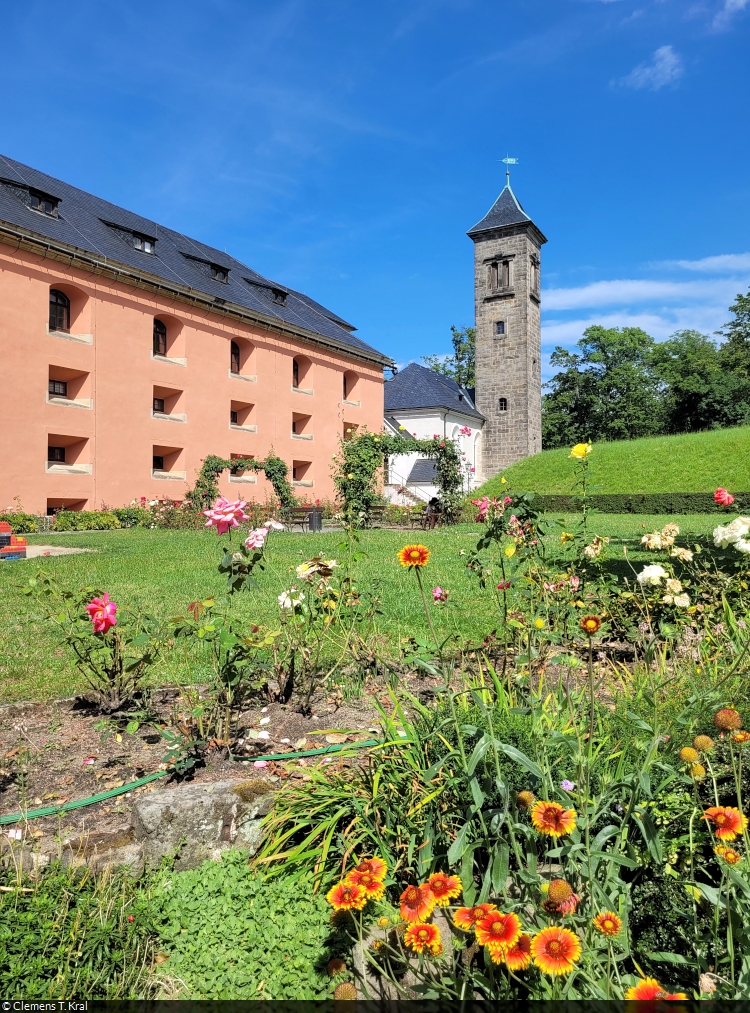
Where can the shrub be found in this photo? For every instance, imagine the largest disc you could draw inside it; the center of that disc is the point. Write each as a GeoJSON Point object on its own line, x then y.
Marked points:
{"type": "Point", "coordinates": [133, 517]}
{"type": "Point", "coordinates": [642, 503]}
{"type": "Point", "coordinates": [21, 523]}
{"type": "Point", "coordinates": [232, 935]}
{"type": "Point", "coordinates": [85, 520]}
{"type": "Point", "coordinates": [69, 936]}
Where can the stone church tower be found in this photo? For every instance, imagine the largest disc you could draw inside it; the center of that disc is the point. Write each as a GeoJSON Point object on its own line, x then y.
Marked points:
{"type": "Point", "coordinates": [507, 300]}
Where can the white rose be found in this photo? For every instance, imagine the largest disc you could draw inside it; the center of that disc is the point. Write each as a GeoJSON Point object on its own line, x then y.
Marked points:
{"type": "Point", "coordinates": [742, 545]}
{"type": "Point", "coordinates": [674, 586]}
{"type": "Point", "coordinates": [653, 574]}
{"type": "Point", "coordinates": [682, 600]}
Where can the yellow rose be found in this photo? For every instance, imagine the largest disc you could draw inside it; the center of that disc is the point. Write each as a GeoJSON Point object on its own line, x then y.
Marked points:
{"type": "Point", "coordinates": [581, 451]}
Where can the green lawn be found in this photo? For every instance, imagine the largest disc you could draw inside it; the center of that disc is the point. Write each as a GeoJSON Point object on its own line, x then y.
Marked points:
{"type": "Point", "coordinates": [693, 462]}
{"type": "Point", "coordinates": [165, 570]}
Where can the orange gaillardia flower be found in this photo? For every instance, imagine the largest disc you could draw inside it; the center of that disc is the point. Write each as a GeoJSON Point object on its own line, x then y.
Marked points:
{"type": "Point", "coordinates": [518, 957]}
{"type": "Point", "coordinates": [555, 950]}
{"type": "Point", "coordinates": [420, 937]}
{"type": "Point", "coordinates": [590, 625]}
{"type": "Point", "coordinates": [417, 903]}
{"type": "Point", "coordinates": [552, 819]}
{"type": "Point", "coordinates": [689, 755]}
{"type": "Point", "coordinates": [727, 719]}
{"type": "Point", "coordinates": [444, 888]}
{"type": "Point", "coordinates": [466, 917]}
{"type": "Point", "coordinates": [607, 923]}
{"type": "Point", "coordinates": [375, 866]}
{"type": "Point", "coordinates": [649, 988]}
{"type": "Point", "coordinates": [414, 555]}
{"type": "Point", "coordinates": [498, 932]}
{"type": "Point", "coordinates": [728, 821]}
{"type": "Point", "coordinates": [730, 855]}
{"type": "Point", "coordinates": [525, 799]}
{"type": "Point", "coordinates": [374, 888]}
{"type": "Point", "coordinates": [741, 737]}
{"type": "Point", "coordinates": [346, 897]}
{"type": "Point", "coordinates": [704, 742]}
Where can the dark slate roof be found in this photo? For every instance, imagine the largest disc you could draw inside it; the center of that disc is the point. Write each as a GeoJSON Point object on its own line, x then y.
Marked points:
{"type": "Point", "coordinates": [419, 387]}
{"type": "Point", "coordinates": [504, 212]}
{"type": "Point", "coordinates": [95, 226]}
{"type": "Point", "coordinates": [424, 471]}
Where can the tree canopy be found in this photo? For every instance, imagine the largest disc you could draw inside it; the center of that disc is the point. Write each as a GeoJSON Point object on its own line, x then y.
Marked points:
{"type": "Point", "coordinates": [460, 365]}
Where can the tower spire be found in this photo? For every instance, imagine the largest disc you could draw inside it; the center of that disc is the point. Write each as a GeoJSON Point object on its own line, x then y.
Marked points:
{"type": "Point", "coordinates": [508, 163]}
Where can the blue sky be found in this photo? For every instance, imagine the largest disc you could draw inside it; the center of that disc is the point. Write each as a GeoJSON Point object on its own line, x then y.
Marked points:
{"type": "Point", "coordinates": [344, 149]}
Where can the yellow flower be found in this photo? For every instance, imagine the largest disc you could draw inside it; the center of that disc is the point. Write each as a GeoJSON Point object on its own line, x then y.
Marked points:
{"type": "Point", "coordinates": [539, 623]}
{"type": "Point", "coordinates": [581, 451]}
{"type": "Point", "coordinates": [510, 551]}
{"type": "Point", "coordinates": [566, 537]}
{"type": "Point", "coordinates": [503, 481]}
{"type": "Point", "coordinates": [350, 475]}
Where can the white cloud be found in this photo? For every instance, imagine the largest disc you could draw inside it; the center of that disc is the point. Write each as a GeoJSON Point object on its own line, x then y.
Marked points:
{"type": "Point", "coordinates": [725, 15]}
{"type": "Point", "coordinates": [665, 68]}
{"type": "Point", "coordinates": [634, 290]}
{"type": "Point", "coordinates": [722, 264]}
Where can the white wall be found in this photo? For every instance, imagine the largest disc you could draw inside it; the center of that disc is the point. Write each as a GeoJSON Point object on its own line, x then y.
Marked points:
{"type": "Point", "coordinates": [424, 426]}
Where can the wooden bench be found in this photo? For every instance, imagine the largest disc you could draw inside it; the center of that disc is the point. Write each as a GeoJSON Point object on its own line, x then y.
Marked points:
{"type": "Point", "coordinates": [300, 515]}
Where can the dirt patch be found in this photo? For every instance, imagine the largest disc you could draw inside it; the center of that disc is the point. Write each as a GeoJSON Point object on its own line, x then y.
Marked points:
{"type": "Point", "coordinates": [32, 551]}
{"type": "Point", "coordinates": [52, 753]}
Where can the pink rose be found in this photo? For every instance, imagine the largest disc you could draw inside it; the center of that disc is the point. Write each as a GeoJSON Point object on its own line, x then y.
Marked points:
{"type": "Point", "coordinates": [225, 514]}
{"type": "Point", "coordinates": [439, 594]}
{"type": "Point", "coordinates": [102, 613]}
{"type": "Point", "coordinates": [256, 538]}
{"type": "Point", "coordinates": [723, 498]}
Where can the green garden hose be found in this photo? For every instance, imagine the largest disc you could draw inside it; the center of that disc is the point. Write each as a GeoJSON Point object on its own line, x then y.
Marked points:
{"type": "Point", "coordinates": [55, 809]}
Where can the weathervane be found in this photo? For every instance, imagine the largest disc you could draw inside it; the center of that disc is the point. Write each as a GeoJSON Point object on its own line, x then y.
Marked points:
{"type": "Point", "coordinates": [508, 162]}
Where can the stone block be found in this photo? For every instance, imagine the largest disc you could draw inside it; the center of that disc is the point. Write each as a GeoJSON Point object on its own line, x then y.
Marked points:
{"type": "Point", "coordinates": [196, 822]}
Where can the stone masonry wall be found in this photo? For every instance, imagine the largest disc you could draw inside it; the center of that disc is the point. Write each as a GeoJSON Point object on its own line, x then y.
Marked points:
{"type": "Point", "coordinates": [508, 366]}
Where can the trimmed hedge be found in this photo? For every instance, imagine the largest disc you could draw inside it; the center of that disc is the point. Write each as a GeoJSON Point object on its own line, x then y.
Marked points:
{"type": "Point", "coordinates": [85, 520]}
{"type": "Point", "coordinates": [133, 517]}
{"type": "Point", "coordinates": [21, 523]}
{"type": "Point", "coordinates": [643, 503]}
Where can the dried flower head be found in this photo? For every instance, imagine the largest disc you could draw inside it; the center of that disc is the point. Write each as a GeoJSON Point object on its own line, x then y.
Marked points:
{"type": "Point", "coordinates": [688, 754]}
{"type": "Point", "coordinates": [704, 742]}
{"type": "Point", "coordinates": [335, 966]}
{"type": "Point", "coordinates": [559, 891]}
{"type": "Point", "coordinates": [525, 799]}
{"type": "Point", "coordinates": [345, 991]}
{"type": "Point", "coordinates": [697, 771]}
{"type": "Point", "coordinates": [727, 719]}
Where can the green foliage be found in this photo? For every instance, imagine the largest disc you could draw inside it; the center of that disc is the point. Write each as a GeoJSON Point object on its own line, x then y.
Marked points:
{"type": "Point", "coordinates": [691, 462]}
{"type": "Point", "coordinates": [657, 503]}
{"type": "Point", "coordinates": [206, 488]}
{"type": "Point", "coordinates": [133, 517]}
{"type": "Point", "coordinates": [232, 935]}
{"type": "Point", "coordinates": [462, 364]}
{"type": "Point", "coordinates": [66, 934]}
{"type": "Point", "coordinates": [85, 520]}
{"type": "Point", "coordinates": [21, 523]}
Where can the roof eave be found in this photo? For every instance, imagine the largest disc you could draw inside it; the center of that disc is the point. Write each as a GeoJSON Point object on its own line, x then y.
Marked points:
{"type": "Point", "coordinates": [73, 256]}
{"type": "Point", "coordinates": [537, 233]}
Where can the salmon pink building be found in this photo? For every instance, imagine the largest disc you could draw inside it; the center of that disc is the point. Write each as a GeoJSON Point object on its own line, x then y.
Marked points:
{"type": "Point", "coordinates": [131, 352]}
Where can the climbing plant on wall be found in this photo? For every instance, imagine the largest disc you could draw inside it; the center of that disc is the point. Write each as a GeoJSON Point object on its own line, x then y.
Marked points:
{"type": "Point", "coordinates": [356, 466]}
{"type": "Point", "coordinates": [206, 488]}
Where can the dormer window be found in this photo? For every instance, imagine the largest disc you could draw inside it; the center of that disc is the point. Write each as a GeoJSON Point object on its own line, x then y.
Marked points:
{"type": "Point", "coordinates": [143, 243]}
{"type": "Point", "coordinates": [279, 297]}
{"type": "Point", "coordinates": [219, 273]}
{"type": "Point", "coordinates": [43, 202]}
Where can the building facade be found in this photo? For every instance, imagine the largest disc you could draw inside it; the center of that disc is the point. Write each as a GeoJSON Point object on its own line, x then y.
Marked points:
{"type": "Point", "coordinates": [132, 352]}
{"type": "Point", "coordinates": [507, 301]}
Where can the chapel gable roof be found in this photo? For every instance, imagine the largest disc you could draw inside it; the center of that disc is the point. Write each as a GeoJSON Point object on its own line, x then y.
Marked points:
{"type": "Point", "coordinates": [417, 387]}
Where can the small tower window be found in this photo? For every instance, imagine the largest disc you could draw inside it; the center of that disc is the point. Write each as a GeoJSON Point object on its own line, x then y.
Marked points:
{"type": "Point", "coordinates": [234, 358]}
{"type": "Point", "coordinates": [500, 328]}
{"type": "Point", "coordinates": [502, 404]}
{"type": "Point", "coordinates": [219, 273]}
{"type": "Point", "coordinates": [160, 338]}
{"type": "Point", "coordinates": [59, 311]}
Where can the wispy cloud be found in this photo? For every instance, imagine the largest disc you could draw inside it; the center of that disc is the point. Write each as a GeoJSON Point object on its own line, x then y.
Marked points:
{"type": "Point", "coordinates": [723, 264]}
{"type": "Point", "coordinates": [727, 12]}
{"type": "Point", "coordinates": [665, 68]}
{"type": "Point", "coordinates": [628, 291]}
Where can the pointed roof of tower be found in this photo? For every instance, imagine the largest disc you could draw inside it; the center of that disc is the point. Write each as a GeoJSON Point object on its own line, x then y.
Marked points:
{"type": "Point", "coordinates": [506, 211]}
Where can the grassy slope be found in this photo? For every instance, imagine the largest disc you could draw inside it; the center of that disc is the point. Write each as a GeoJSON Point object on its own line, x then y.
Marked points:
{"type": "Point", "coordinates": [165, 570]}
{"type": "Point", "coordinates": [694, 462]}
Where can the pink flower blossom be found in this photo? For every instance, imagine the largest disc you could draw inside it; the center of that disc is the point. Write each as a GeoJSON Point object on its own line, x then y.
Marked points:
{"type": "Point", "coordinates": [226, 514]}
{"type": "Point", "coordinates": [261, 763]}
{"type": "Point", "coordinates": [256, 538]}
{"type": "Point", "coordinates": [503, 585]}
{"type": "Point", "coordinates": [508, 500]}
{"type": "Point", "coordinates": [274, 524]}
{"type": "Point", "coordinates": [439, 594]}
{"type": "Point", "coordinates": [723, 498]}
{"type": "Point", "coordinates": [473, 469]}
{"type": "Point", "coordinates": [465, 430]}
{"type": "Point", "coordinates": [574, 582]}
{"type": "Point", "coordinates": [102, 613]}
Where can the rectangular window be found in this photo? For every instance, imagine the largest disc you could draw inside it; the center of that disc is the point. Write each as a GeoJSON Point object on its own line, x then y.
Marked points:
{"type": "Point", "coordinates": [500, 327]}
{"type": "Point", "coordinates": [219, 273]}
{"type": "Point", "coordinates": [159, 404]}
{"type": "Point", "coordinates": [502, 404]}
{"type": "Point", "coordinates": [505, 274]}
{"type": "Point", "coordinates": [58, 388]}
{"type": "Point", "coordinates": [233, 418]}
{"type": "Point", "coordinates": [294, 473]}
{"type": "Point", "coordinates": [56, 454]}
{"type": "Point", "coordinates": [234, 358]}
{"type": "Point", "coordinates": [158, 463]}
